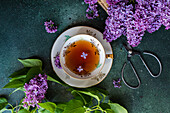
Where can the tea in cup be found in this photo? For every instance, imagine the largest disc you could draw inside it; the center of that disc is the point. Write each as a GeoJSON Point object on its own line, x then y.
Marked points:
{"type": "Point", "coordinates": [82, 56]}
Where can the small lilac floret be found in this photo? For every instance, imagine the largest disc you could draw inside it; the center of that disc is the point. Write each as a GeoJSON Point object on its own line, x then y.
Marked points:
{"type": "Point", "coordinates": [80, 69]}
{"type": "Point", "coordinates": [50, 27]}
{"type": "Point", "coordinates": [84, 55]}
{"type": "Point", "coordinates": [116, 83]}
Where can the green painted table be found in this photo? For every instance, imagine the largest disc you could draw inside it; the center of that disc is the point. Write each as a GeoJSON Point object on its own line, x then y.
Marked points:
{"type": "Point", "coordinates": [22, 35]}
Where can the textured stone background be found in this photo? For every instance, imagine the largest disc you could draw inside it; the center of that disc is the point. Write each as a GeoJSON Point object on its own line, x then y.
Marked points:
{"type": "Point", "coordinates": [22, 35]}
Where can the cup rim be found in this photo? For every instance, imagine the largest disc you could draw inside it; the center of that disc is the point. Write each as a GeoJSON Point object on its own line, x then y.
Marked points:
{"type": "Point", "coordinates": [88, 77]}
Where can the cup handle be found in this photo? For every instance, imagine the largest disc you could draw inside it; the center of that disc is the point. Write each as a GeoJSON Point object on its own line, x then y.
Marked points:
{"type": "Point", "coordinates": [109, 56]}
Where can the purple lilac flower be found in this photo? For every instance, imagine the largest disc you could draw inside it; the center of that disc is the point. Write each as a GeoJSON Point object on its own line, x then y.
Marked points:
{"type": "Point", "coordinates": [35, 91]}
{"type": "Point", "coordinates": [115, 26]}
{"type": "Point", "coordinates": [50, 27]}
{"type": "Point", "coordinates": [90, 1]}
{"type": "Point", "coordinates": [165, 13]}
{"type": "Point", "coordinates": [134, 27]}
{"type": "Point", "coordinates": [57, 61]}
{"type": "Point", "coordinates": [150, 13]}
{"type": "Point", "coordinates": [146, 17]}
{"type": "Point", "coordinates": [110, 2]}
{"type": "Point", "coordinates": [92, 11]}
{"type": "Point", "coordinates": [116, 83]}
{"type": "Point", "coordinates": [123, 19]}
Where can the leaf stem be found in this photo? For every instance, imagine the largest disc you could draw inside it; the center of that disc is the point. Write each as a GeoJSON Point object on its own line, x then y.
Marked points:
{"type": "Point", "coordinates": [17, 106]}
{"type": "Point", "coordinates": [28, 108]}
{"type": "Point", "coordinates": [93, 109]}
{"type": "Point", "coordinates": [82, 97]}
{"type": "Point", "coordinates": [35, 110]}
{"type": "Point", "coordinates": [11, 105]}
{"type": "Point", "coordinates": [103, 99]}
{"type": "Point", "coordinates": [95, 106]}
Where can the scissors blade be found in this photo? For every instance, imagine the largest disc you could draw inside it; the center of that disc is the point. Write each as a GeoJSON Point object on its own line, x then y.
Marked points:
{"type": "Point", "coordinates": [127, 47]}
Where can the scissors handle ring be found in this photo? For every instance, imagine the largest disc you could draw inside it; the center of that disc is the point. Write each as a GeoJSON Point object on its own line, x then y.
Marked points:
{"type": "Point", "coordinates": [123, 79]}
{"type": "Point", "coordinates": [160, 65]}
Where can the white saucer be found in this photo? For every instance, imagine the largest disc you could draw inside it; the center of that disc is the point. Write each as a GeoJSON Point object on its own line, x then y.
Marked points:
{"type": "Point", "coordinates": [77, 82]}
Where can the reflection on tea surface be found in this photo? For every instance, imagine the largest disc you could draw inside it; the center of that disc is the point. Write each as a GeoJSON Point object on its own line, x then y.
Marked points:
{"type": "Point", "coordinates": [82, 57]}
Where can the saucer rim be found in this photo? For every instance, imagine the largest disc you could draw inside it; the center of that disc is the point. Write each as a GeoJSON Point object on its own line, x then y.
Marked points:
{"type": "Point", "coordinates": [85, 79]}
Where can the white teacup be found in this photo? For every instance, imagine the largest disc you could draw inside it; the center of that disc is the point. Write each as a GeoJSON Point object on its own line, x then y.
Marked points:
{"type": "Point", "coordinates": [96, 43]}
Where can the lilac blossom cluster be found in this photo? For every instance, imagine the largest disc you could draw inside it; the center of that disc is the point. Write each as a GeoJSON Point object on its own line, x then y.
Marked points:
{"type": "Point", "coordinates": [35, 91]}
{"type": "Point", "coordinates": [50, 27]}
{"type": "Point", "coordinates": [133, 20]}
{"type": "Point", "coordinates": [165, 13]}
{"type": "Point", "coordinates": [91, 11]}
{"type": "Point", "coordinates": [115, 25]}
{"type": "Point", "coordinates": [57, 61]}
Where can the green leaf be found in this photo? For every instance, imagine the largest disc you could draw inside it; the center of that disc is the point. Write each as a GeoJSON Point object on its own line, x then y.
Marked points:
{"type": "Point", "coordinates": [53, 80]}
{"type": "Point", "coordinates": [61, 106]}
{"type": "Point", "coordinates": [104, 96]}
{"type": "Point", "coordinates": [4, 109]}
{"type": "Point", "coordinates": [57, 110]}
{"type": "Point", "coordinates": [20, 88]}
{"type": "Point", "coordinates": [31, 62]}
{"type": "Point", "coordinates": [23, 111]}
{"type": "Point", "coordinates": [67, 37]}
{"type": "Point", "coordinates": [117, 108]}
{"type": "Point", "coordinates": [95, 92]}
{"type": "Point", "coordinates": [90, 94]}
{"type": "Point", "coordinates": [20, 72]}
{"type": "Point", "coordinates": [3, 102]}
{"type": "Point", "coordinates": [50, 106]}
{"type": "Point", "coordinates": [34, 110]}
{"type": "Point", "coordinates": [109, 111]}
{"type": "Point", "coordinates": [22, 100]}
{"type": "Point", "coordinates": [15, 83]}
{"type": "Point", "coordinates": [97, 111]}
{"type": "Point", "coordinates": [101, 93]}
{"type": "Point", "coordinates": [42, 110]}
{"type": "Point", "coordinates": [105, 106]}
{"type": "Point", "coordinates": [19, 77]}
{"type": "Point", "coordinates": [79, 96]}
{"type": "Point", "coordinates": [74, 106]}
{"type": "Point", "coordinates": [99, 90]}
{"type": "Point", "coordinates": [32, 72]}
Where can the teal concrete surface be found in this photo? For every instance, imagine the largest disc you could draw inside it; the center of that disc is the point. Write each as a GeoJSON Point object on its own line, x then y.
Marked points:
{"type": "Point", "coordinates": [22, 35]}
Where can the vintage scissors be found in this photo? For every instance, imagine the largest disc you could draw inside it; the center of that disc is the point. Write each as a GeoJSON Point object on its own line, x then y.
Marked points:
{"type": "Point", "coordinates": [131, 53]}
